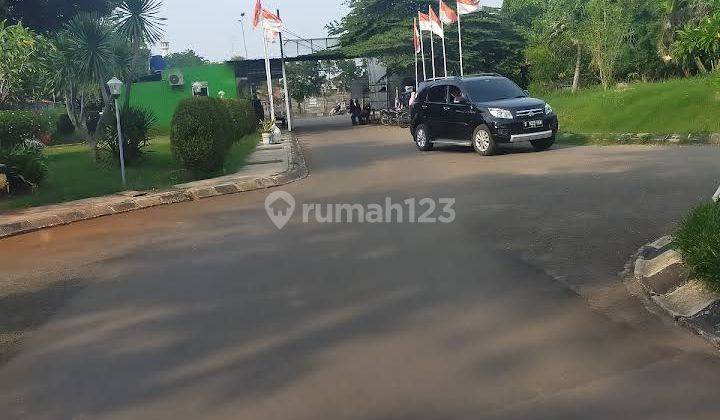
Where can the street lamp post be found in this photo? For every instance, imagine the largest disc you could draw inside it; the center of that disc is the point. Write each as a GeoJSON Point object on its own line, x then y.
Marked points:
{"type": "Point", "coordinates": [242, 26]}
{"type": "Point", "coordinates": [115, 86]}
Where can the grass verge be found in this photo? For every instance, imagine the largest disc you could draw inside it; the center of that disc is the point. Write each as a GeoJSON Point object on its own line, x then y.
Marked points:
{"type": "Point", "coordinates": [73, 175]}
{"type": "Point", "coordinates": [674, 106]}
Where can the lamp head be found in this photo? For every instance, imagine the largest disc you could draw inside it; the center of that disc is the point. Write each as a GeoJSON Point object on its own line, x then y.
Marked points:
{"type": "Point", "coordinates": [115, 86]}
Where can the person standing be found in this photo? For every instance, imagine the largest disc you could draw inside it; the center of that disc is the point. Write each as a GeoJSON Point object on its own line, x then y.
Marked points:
{"type": "Point", "coordinates": [354, 112]}
{"type": "Point", "coordinates": [258, 107]}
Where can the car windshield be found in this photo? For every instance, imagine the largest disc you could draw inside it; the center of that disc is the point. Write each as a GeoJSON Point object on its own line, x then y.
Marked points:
{"type": "Point", "coordinates": [493, 89]}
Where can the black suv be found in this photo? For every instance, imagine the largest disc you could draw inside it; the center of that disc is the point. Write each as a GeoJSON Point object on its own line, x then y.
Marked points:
{"type": "Point", "coordinates": [480, 111]}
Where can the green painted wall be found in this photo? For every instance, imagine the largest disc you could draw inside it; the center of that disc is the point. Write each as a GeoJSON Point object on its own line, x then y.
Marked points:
{"type": "Point", "coordinates": [162, 98]}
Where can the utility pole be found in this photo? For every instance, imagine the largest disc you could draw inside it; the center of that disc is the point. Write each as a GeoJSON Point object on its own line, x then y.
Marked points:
{"type": "Point", "coordinates": [288, 108]}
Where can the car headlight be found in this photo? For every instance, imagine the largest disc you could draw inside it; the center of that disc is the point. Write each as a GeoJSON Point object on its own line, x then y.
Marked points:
{"type": "Point", "coordinates": [500, 113]}
{"type": "Point", "coordinates": [548, 109]}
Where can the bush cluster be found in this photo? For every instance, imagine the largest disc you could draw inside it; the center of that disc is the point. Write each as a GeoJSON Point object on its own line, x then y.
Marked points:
{"type": "Point", "coordinates": [16, 127]}
{"type": "Point", "coordinates": [201, 133]}
{"type": "Point", "coordinates": [136, 124]}
{"type": "Point", "coordinates": [698, 240]}
{"type": "Point", "coordinates": [243, 117]}
{"type": "Point", "coordinates": [26, 162]}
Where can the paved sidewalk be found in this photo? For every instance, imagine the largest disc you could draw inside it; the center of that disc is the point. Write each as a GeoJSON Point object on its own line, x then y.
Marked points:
{"type": "Point", "coordinates": [268, 166]}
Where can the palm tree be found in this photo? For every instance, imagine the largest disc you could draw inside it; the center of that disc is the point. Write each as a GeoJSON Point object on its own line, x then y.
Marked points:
{"type": "Point", "coordinates": [84, 57]}
{"type": "Point", "coordinates": [139, 22]}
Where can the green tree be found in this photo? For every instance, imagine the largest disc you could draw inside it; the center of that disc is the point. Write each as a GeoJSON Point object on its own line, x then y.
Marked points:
{"type": "Point", "coordinates": [607, 30]}
{"type": "Point", "coordinates": [47, 16]}
{"type": "Point", "coordinates": [566, 20]}
{"type": "Point", "coordinates": [23, 64]}
{"type": "Point", "coordinates": [525, 13]}
{"type": "Point", "coordinates": [677, 14]}
{"type": "Point", "coordinates": [186, 58]}
{"type": "Point", "coordinates": [305, 79]}
{"type": "Point", "coordinates": [341, 73]}
{"type": "Point", "coordinates": [699, 44]}
{"type": "Point", "coordinates": [382, 29]}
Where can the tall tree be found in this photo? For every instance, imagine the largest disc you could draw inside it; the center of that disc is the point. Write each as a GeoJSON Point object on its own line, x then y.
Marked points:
{"type": "Point", "coordinates": [567, 18]}
{"type": "Point", "coordinates": [305, 79]}
{"type": "Point", "coordinates": [87, 54]}
{"type": "Point", "coordinates": [50, 15]}
{"type": "Point", "coordinates": [23, 64]}
{"type": "Point", "coordinates": [186, 58]}
{"type": "Point", "coordinates": [342, 73]}
{"type": "Point", "coordinates": [382, 29]}
{"type": "Point", "coordinates": [139, 22]}
{"type": "Point", "coordinates": [608, 28]}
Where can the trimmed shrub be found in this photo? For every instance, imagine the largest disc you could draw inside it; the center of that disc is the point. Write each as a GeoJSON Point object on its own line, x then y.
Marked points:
{"type": "Point", "coordinates": [200, 132]}
{"type": "Point", "coordinates": [243, 117]}
{"type": "Point", "coordinates": [698, 240]}
{"type": "Point", "coordinates": [136, 124]}
{"type": "Point", "coordinates": [27, 161]}
{"type": "Point", "coordinates": [18, 126]}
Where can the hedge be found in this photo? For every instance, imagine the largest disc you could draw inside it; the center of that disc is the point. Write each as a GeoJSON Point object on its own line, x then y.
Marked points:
{"type": "Point", "coordinates": [243, 117]}
{"type": "Point", "coordinates": [200, 133]}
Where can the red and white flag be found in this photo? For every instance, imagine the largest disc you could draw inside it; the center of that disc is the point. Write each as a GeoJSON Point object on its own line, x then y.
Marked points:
{"type": "Point", "coordinates": [271, 24]}
{"type": "Point", "coordinates": [257, 14]}
{"type": "Point", "coordinates": [424, 22]}
{"type": "Point", "coordinates": [416, 38]}
{"type": "Point", "coordinates": [465, 7]}
{"type": "Point", "coordinates": [435, 24]}
{"type": "Point", "coordinates": [447, 14]}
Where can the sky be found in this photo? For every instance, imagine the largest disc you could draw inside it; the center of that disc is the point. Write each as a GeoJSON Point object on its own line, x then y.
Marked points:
{"type": "Point", "coordinates": [211, 27]}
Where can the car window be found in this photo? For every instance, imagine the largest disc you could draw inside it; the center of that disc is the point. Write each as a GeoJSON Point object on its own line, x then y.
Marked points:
{"type": "Point", "coordinates": [422, 96]}
{"type": "Point", "coordinates": [456, 95]}
{"type": "Point", "coordinates": [437, 94]}
{"type": "Point", "coordinates": [493, 89]}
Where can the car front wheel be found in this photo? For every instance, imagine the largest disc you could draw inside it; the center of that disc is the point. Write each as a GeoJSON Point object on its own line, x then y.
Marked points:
{"type": "Point", "coordinates": [544, 144]}
{"type": "Point", "coordinates": [483, 141]}
{"type": "Point", "coordinates": [422, 138]}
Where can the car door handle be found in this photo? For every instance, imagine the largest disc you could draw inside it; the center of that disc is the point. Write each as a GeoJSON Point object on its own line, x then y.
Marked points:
{"type": "Point", "coordinates": [446, 108]}
{"type": "Point", "coordinates": [424, 107]}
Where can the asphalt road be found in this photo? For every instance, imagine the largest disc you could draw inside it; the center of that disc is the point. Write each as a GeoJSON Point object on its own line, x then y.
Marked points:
{"type": "Point", "coordinates": [205, 310]}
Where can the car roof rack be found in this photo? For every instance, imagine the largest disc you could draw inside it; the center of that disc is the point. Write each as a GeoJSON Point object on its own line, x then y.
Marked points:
{"type": "Point", "coordinates": [435, 79]}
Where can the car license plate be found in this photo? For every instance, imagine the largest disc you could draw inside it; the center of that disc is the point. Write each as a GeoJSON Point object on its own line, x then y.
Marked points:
{"type": "Point", "coordinates": [533, 124]}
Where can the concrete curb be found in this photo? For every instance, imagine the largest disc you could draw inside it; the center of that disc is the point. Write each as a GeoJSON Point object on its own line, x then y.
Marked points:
{"type": "Point", "coordinates": [658, 275]}
{"type": "Point", "coordinates": [57, 215]}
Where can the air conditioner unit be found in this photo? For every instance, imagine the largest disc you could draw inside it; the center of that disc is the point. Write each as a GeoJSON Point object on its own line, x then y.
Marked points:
{"type": "Point", "coordinates": [176, 79]}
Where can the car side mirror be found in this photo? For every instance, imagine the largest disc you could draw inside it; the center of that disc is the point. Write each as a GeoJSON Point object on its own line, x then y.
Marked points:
{"type": "Point", "coordinates": [527, 92]}
{"type": "Point", "coordinates": [459, 100]}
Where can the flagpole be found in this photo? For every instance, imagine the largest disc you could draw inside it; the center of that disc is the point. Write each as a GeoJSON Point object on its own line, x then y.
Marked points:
{"type": "Point", "coordinates": [288, 108]}
{"type": "Point", "coordinates": [422, 50]}
{"type": "Point", "coordinates": [268, 77]}
{"type": "Point", "coordinates": [462, 71]}
{"type": "Point", "coordinates": [432, 52]}
{"type": "Point", "coordinates": [417, 72]}
{"type": "Point", "coordinates": [442, 25]}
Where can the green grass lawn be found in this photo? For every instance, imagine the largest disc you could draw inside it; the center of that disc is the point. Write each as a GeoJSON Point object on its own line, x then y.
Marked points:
{"type": "Point", "coordinates": [675, 106]}
{"type": "Point", "coordinates": [73, 175]}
